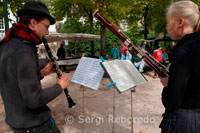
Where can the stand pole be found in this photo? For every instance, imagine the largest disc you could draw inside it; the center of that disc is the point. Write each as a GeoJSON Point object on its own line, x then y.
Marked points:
{"type": "Point", "coordinates": [113, 110]}
{"type": "Point", "coordinates": [83, 108]}
{"type": "Point", "coordinates": [132, 90]}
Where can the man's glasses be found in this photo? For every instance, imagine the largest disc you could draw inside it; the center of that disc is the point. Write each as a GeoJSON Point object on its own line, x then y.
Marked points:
{"type": "Point", "coordinates": [45, 25]}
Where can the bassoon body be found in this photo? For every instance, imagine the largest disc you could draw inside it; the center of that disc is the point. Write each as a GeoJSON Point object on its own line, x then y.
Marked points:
{"type": "Point", "coordinates": [151, 61]}
{"type": "Point", "coordinates": [71, 103]}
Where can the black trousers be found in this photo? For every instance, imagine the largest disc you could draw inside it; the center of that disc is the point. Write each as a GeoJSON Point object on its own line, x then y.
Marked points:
{"type": "Point", "coordinates": [47, 127]}
{"type": "Point", "coordinates": [181, 121]}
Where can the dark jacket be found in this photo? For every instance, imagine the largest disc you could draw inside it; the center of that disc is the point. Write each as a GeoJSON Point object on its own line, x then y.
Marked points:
{"type": "Point", "coordinates": [183, 90]}
{"type": "Point", "coordinates": [61, 53]}
{"type": "Point", "coordinates": [24, 99]}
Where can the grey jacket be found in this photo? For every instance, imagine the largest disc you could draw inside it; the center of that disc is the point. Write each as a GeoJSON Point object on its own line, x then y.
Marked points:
{"type": "Point", "coordinates": [24, 99]}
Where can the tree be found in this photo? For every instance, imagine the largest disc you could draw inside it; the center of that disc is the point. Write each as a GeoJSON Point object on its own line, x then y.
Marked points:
{"type": "Point", "coordinates": [13, 6]}
{"type": "Point", "coordinates": [83, 10]}
{"type": "Point", "coordinates": [149, 15]}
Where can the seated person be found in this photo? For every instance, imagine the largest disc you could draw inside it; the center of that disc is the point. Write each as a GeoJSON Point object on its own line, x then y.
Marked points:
{"type": "Point", "coordinates": [126, 55]}
{"type": "Point", "coordinates": [140, 65]}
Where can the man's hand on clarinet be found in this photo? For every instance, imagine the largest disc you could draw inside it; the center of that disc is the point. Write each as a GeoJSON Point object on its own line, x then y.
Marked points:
{"type": "Point", "coordinates": [48, 69]}
{"type": "Point", "coordinates": [63, 81]}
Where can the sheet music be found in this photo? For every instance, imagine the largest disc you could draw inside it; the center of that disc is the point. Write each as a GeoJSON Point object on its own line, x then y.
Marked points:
{"type": "Point", "coordinates": [88, 73]}
{"type": "Point", "coordinates": [124, 73]}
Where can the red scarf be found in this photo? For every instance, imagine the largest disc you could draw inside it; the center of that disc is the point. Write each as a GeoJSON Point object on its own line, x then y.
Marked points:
{"type": "Point", "coordinates": [22, 31]}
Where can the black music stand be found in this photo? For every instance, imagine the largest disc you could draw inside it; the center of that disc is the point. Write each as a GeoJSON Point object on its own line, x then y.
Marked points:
{"type": "Point", "coordinates": [124, 76]}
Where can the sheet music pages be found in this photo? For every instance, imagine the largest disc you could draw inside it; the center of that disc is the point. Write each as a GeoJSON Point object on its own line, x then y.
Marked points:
{"type": "Point", "coordinates": [88, 73]}
{"type": "Point", "coordinates": [124, 73]}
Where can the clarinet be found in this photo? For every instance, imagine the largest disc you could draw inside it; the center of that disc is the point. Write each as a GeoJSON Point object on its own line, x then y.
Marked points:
{"type": "Point", "coordinates": [150, 60]}
{"type": "Point", "coordinates": [71, 103]}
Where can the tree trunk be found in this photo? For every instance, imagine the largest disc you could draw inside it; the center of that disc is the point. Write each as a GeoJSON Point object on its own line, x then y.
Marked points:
{"type": "Point", "coordinates": [145, 22]}
{"type": "Point", "coordinates": [92, 48]}
{"type": "Point", "coordinates": [92, 42]}
{"type": "Point", "coordinates": [103, 41]}
{"type": "Point", "coordinates": [5, 16]}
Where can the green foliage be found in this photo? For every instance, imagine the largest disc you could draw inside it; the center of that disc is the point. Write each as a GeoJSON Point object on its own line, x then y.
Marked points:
{"type": "Point", "coordinates": [76, 10]}
{"type": "Point", "coordinates": [72, 26]}
{"type": "Point", "coordinates": [110, 39]}
{"type": "Point", "coordinates": [61, 8]}
{"type": "Point", "coordinates": [1, 9]}
{"type": "Point", "coordinates": [156, 16]}
{"type": "Point", "coordinates": [134, 35]}
{"type": "Point", "coordinates": [13, 6]}
{"type": "Point", "coordinates": [79, 48]}
{"type": "Point", "coordinates": [116, 11]}
{"type": "Point", "coordinates": [132, 12]}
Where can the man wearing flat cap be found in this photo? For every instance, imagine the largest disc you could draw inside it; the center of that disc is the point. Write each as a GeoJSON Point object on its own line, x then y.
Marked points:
{"type": "Point", "coordinates": [24, 99]}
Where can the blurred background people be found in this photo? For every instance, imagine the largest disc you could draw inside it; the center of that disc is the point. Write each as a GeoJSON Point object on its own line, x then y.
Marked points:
{"type": "Point", "coordinates": [158, 56]}
{"type": "Point", "coordinates": [61, 56]}
{"type": "Point", "coordinates": [122, 49]}
{"type": "Point", "coordinates": [126, 56]}
{"type": "Point", "coordinates": [114, 53]}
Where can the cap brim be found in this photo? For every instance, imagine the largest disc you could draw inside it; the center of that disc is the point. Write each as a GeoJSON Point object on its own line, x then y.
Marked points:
{"type": "Point", "coordinates": [23, 12]}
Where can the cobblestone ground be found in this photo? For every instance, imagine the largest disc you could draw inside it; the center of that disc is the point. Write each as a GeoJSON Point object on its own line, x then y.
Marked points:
{"type": "Point", "coordinates": [98, 115]}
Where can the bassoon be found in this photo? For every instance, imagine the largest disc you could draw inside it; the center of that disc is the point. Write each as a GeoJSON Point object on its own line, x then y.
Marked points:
{"type": "Point", "coordinates": [151, 61]}
{"type": "Point", "coordinates": [71, 103]}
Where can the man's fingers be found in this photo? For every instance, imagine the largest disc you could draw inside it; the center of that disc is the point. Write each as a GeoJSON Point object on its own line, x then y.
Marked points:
{"type": "Point", "coordinates": [48, 59]}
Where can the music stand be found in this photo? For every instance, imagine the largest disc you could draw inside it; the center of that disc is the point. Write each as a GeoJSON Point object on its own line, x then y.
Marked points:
{"type": "Point", "coordinates": [124, 76]}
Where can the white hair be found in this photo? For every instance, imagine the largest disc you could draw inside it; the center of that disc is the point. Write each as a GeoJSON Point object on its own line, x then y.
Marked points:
{"type": "Point", "coordinates": [187, 10]}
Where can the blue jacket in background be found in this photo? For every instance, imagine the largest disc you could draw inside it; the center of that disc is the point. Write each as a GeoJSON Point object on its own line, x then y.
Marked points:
{"type": "Point", "coordinates": [114, 53]}
{"type": "Point", "coordinates": [124, 57]}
